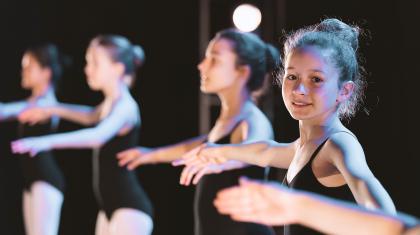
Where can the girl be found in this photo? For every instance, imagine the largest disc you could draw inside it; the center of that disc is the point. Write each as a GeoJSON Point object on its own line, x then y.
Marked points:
{"type": "Point", "coordinates": [124, 206]}
{"type": "Point", "coordinates": [43, 180]}
{"type": "Point", "coordinates": [235, 65]}
{"type": "Point", "coordinates": [320, 85]}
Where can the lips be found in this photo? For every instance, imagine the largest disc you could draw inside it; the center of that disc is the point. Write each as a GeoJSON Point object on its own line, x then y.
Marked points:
{"type": "Point", "coordinates": [300, 104]}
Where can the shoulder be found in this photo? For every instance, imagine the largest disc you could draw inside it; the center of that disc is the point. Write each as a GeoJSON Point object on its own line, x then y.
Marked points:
{"type": "Point", "coordinates": [256, 124]}
{"type": "Point", "coordinates": [344, 142]}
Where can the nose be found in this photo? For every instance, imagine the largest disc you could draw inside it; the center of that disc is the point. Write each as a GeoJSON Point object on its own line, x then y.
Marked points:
{"type": "Point", "coordinates": [201, 65]}
{"type": "Point", "coordinates": [300, 88]}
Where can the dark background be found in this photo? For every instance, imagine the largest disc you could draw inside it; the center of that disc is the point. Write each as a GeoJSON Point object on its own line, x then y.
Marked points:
{"type": "Point", "coordinates": [168, 87]}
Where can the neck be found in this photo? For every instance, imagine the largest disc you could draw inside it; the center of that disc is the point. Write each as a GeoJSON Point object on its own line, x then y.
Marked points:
{"type": "Point", "coordinates": [113, 91]}
{"type": "Point", "coordinates": [41, 90]}
{"type": "Point", "coordinates": [233, 102]}
{"type": "Point", "coordinates": [311, 130]}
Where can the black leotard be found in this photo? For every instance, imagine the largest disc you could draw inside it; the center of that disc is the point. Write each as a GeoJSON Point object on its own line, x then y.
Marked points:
{"type": "Point", "coordinates": [208, 221]}
{"type": "Point", "coordinates": [306, 180]}
{"type": "Point", "coordinates": [116, 187]}
{"type": "Point", "coordinates": [43, 166]}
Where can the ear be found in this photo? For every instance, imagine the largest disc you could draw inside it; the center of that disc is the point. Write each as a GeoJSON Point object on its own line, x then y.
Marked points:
{"type": "Point", "coordinates": [120, 68]}
{"type": "Point", "coordinates": [47, 74]}
{"type": "Point", "coordinates": [244, 71]}
{"type": "Point", "coordinates": [346, 91]}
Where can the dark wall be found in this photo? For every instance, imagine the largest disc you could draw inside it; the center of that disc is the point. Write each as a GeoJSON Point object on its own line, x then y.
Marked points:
{"type": "Point", "coordinates": [167, 92]}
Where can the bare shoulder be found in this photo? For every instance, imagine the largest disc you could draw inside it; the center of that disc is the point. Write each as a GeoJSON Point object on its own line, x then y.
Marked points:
{"type": "Point", "coordinates": [344, 143]}
{"type": "Point", "coordinates": [256, 124]}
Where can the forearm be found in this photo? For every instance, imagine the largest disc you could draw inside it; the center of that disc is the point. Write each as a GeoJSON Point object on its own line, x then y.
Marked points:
{"type": "Point", "coordinates": [174, 152]}
{"type": "Point", "coordinates": [85, 138]}
{"type": "Point", "coordinates": [332, 217]}
{"type": "Point", "coordinates": [11, 110]}
{"type": "Point", "coordinates": [263, 153]}
{"type": "Point", "coordinates": [84, 115]}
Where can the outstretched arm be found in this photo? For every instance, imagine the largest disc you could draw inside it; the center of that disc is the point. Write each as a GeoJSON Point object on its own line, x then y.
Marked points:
{"type": "Point", "coordinates": [135, 157]}
{"type": "Point", "coordinates": [228, 157]}
{"type": "Point", "coordinates": [81, 114]}
{"type": "Point", "coordinates": [12, 109]}
{"type": "Point", "coordinates": [86, 138]}
{"type": "Point", "coordinates": [274, 204]}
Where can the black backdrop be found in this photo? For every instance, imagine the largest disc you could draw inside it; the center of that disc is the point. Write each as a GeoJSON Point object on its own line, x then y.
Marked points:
{"type": "Point", "coordinates": [167, 92]}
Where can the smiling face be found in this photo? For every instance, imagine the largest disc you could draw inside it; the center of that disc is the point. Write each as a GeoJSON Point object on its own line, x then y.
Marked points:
{"type": "Point", "coordinates": [218, 70]}
{"type": "Point", "coordinates": [33, 74]}
{"type": "Point", "coordinates": [310, 86]}
{"type": "Point", "coordinates": [100, 69]}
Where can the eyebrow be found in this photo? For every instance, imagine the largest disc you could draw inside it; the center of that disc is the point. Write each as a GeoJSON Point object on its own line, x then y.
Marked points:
{"type": "Point", "coordinates": [313, 70]}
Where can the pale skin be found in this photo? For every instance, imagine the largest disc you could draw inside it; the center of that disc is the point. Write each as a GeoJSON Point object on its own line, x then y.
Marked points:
{"type": "Point", "coordinates": [117, 115]}
{"type": "Point", "coordinates": [42, 202]}
{"type": "Point", "coordinates": [221, 76]}
{"type": "Point", "coordinates": [273, 204]}
{"type": "Point", "coordinates": [312, 94]}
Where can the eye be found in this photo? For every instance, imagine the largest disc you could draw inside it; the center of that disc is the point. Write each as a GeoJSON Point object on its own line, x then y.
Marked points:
{"type": "Point", "coordinates": [316, 79]}
{"type": "Point", "coordinates": [291, 77]}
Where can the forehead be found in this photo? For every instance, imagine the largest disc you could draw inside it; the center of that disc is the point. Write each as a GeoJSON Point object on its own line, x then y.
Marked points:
{"type": "Point", "coordinates": [97, 51]}
{"type": "Point", "coordinates": [28, 59]}
{"type": "Point", "coordinates": [312, 57]}
{"type": "Point", "coordinates": [220, 46]}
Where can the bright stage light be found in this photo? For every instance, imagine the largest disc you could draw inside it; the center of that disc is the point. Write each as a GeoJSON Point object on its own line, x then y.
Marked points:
{"type": "Point", "coordinates": [246, 17]}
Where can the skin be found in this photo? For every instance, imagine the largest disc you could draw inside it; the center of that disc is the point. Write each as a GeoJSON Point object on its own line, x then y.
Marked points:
{"type": "Point", "coordinates": [220, 75]}
{"type": "Point", "coordinates": [116, 115]}
{"type": "Point", "coordinates": [42, 202]}
{"type": "Point", "coordinates": [273, 204]}
{"type": "Point", "coordinates": [312, 94]}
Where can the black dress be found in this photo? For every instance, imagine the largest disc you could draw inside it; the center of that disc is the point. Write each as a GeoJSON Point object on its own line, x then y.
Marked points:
{"type": "Point", "coordinates": [43, 166]}
{"type": "Point", "coordinates": [306, 180]}
{"type": "Point", "coordinates": [116, 187]}
{"type": "Point", "coordinates": [208, 221]}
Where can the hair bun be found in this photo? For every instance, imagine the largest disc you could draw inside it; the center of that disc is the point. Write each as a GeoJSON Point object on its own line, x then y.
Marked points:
{"type": "Point", "coordinates": [138, 55]}
{"type": "Point", "coordinates": [345, 32]}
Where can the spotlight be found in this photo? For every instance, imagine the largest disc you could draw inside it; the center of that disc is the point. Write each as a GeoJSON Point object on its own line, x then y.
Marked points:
{"type": "Point", "coordinates": [246, 17]}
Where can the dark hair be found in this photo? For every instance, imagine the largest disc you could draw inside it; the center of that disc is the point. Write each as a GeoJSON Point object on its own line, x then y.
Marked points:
{"type": "Point", "coordinates": [48, 56]}
{"type": "Point", "coordinates": [261, 57]}
{"type": "Point", "coordinates": [343, 42]}
{"type": "Point", "coordinates": [121, 50]}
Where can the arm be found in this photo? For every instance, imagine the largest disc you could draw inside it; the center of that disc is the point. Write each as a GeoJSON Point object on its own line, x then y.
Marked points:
{"type": "Point", "coordinates": [196, 168]}
{"type": "Point", "coordinates": [81, 114]}
{"type": "Point", "coordinates": [261, 153]}
{"type": "Point", "coordinates": [12, 110]}
{"type": "Point", "coordinates": [274, 204]}
{"type": "Point", "coordinates": [85, 138]}
{"type": "Point", "coordinates": [348, 157]}
{"type": "Point", "coordinates": [135, 157]}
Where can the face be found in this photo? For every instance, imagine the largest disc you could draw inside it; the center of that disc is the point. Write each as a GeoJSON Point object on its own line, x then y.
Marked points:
{"type": "Point", "coordinates": [310, 86]}
{"type": "Point", "coordinates": [100, 69]}
{"type": "Point", "coordinates": [218, 70]}
{"type": "Point", "coordinates": [33, 74]}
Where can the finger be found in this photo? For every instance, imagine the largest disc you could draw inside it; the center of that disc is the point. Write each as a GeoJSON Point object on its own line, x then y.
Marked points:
{"type": "Point", "coordinates": [179, 162]}
{"type": "Point", "coordinates": [125, 159]}
{"type": "Point", "coordinates": [137, 161]}
{"type": "Point", "coordinates": [124, 153]}
{"type": "Point", "coordinates": [188, 173]}
{"type": "Point", "coordinates": [199, 175]}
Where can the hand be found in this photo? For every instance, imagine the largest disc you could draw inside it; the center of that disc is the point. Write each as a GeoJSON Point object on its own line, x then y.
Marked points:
{"type": "Point", "coordinates": [206, 153]}
{"type": "Point", "coordinates": [135, 157]}
{"type": "Point", "coordinates": [257, 202]}
{"type": "Point", "coordinates": [34, 115]}
{"type": "Point", "coordinates": [194, 172]}
{"type": "Point", "coordinates": [30, 145]}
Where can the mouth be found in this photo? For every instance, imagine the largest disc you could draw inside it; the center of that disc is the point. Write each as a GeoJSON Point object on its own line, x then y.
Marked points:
{"type": "Point", "coordinates": [299, 104]}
